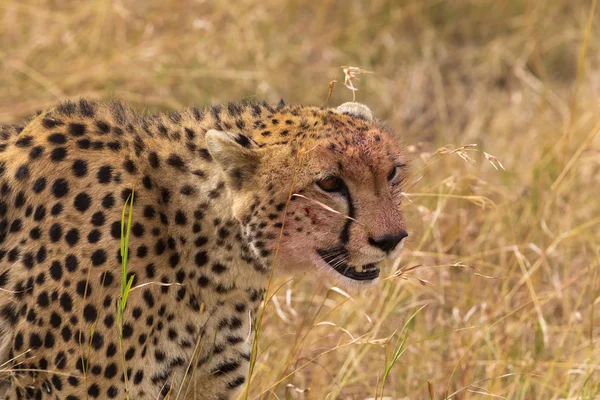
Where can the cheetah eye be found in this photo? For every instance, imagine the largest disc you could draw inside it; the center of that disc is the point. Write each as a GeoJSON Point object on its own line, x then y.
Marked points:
{"type": "Point", "coordinates": [330, 184]}
{"type": "Point", "coordinates": [395, 173]}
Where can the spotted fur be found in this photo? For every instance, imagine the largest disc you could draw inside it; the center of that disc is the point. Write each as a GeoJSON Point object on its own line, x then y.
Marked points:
{"type": "Point", "coordinates": [212, 205]}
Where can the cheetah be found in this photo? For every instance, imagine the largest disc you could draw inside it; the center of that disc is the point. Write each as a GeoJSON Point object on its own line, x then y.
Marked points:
{"type": "Point", "coordinates": [220, 197]}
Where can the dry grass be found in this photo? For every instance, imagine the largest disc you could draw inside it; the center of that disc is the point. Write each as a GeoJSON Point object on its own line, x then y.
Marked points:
{"type": "Point", "coordinates": [502, 302]}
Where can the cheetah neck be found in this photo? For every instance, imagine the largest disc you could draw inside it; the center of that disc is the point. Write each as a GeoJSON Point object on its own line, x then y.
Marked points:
{"type": "Point", "coordinates": [195, 207]}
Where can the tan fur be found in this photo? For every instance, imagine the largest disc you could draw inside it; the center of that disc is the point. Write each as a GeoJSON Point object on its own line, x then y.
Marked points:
{"type": "Point", "coordinates": [212, 195]}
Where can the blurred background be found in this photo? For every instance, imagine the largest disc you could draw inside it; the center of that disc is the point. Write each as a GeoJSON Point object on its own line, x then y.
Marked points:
{"type": "Point", "coordinates": [495, 295]}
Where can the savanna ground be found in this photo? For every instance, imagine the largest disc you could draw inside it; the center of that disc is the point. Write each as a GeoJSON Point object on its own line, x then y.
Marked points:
{"type": "Point", "coordinates": [501, 272]}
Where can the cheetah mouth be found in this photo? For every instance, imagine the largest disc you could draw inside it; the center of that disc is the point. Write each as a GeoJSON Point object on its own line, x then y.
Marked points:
{"type": "Point", "coordinates": [336, 259]}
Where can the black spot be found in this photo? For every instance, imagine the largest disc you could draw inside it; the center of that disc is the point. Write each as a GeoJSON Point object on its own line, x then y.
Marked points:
{"type": "Point", "coordinates": [187, 190]}
{"type": "Point", "coordinates": [129, 166]}
{"type": "Point", "coordinates": [138, 229]}
{"type": "Point", "coordinates": [176, 161]}
{"type": "Point", "coordinates": [94, 236]}
{"type": "Point", "coordinates": [41, 254]}
{"type": "Point", "coordinates": [129, 354]}
{"type": "Point", "coordinates": [201, 258]}
{"type": "Point", "coordinates": [96, 369]}
{"type": "Point", "coordinates": [56, 270]}
{"type": "Point", "coordinates": [147, 182]}
{"type": "Point", "coordinates": [10, 313]}
{"type": "Point", "coordinates": [50, 123]}
{"type": "Point", "coordinates": [243, 141]}
{"type": "Point", "coordinates": [174, 260]}
{"type": "Point", "coordinates": [159, 355]}
{"type": "Point", "coordinates": [150, 271]}
{"type": "Point", "coordinates": [165, 196]}
{"type": "Point", "coordinates": [66, 302]}
{"type": "Point", "coordinates": [60, 188]}
{"type": "Point", "coordinates": [111, 370]}
{"type": "Point", "coordinates": [82, 202]}
{"type": "Point", "coordinates": [240, 307]}
{"type": "Point", "coordinates": [4, 278]}
{"type": "Point", "coordinates": [41, 278]}
{"type": "Point", "coordinates": [239, 381]}
{"type": "Point", "coordinates": [24, 141]}
{"type": "Point", "coordinates": [102, 126]}
{"type": "Point", "coordinates": [94, 390]}
{"type": "Point", "coordinates": [137, 313]}
{"type": "Point", "coordinates": [76, 129]}
{"type": "Point", "coordinates": [219, 268]}
{"type": "Point", "coordinates": [13, 255]}
{"type": "Point", "coordinates": [43, 300]}
{"type": "Point", "coordinates": [83, 144]}
{"type": "Point", "coordinates": [180, 218]}
{"type": "Point", "coordinates": [126, 195]}
{"type": "Point", "coordinates": [142, 251]}
{"type": "Point", "coordinates": [148, 298]}
{"type": "Point", "coordinates": [49, 341]}
{"type": "Point", "coordinates": [153, 160]}
{"type": "Point", "coordinates": [149, 212]}
{"type": "Point", "coordinates": [160, 247]}
{"type": "Point", "coordinates": [226, 367]}
{"type": "Point", "coordinates": [109, 320]}
{"type": "Point", "coordinates": [72, 237]}
{"type": "Point", "coordinates": [104, 174]}
{"type": "Point", "coordinates": [114, 146]}
{"type": "Point", "coordinates": [90, 313]}
{"type": "Point", "coordinates": [57, 382]}
{"type": "Point", "coordinates": [115, 229]}
{"type": "Point", "coordinates": [22, 173]}
{"type": "Point", "coordinates": [39, 185]}
{"type": "Point", "coordinates": [79, 168]}
{"type": "Point", "coordinates": [98, 257]}
{"type": "Point", "coordinates": [112, 392]}
{"type": "Point", "coordinates": [106, 278]}
{"type": "Point", "coordinates": [36, 152]}
{"type": "Point", "coordinates": [108, 201]}
{"type": "Point", "coordinates": [57, 138]}
{"type": "Point", "coordinates": [16, 226]}
{"type": "Point", "coordinates": [83, 288]}
{"type": "Point", "coordinates": [58, 154]}
{"type": "Point", "coordinates": [55, 320]}
{"type": "Point", "coordinates": [55, 232]}
{"type": "Point", "coordinates": [98, 218]}
{"type": "Point", "coordinates": [127, 330]}
{"type": "Point", "coordinates": [56, 209]}
{"type": "Point", "coordinates": [71, 263]}
{"type": "Point", "coordinates": [35, 341]}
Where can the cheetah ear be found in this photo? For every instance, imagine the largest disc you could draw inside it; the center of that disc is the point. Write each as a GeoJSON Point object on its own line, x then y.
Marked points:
{"type": "Point", "coordinates": [236, 154]}
{"type": "Point", "coordinates": [356, 110]}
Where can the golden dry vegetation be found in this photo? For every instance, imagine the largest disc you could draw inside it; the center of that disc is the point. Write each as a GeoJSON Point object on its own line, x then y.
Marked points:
{"type": "Point", "coordinates": [495, 294]}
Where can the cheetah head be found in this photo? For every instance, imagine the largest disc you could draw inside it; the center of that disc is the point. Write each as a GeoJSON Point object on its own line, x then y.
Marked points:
{"type": "Point", "coordinates": [321, 191]}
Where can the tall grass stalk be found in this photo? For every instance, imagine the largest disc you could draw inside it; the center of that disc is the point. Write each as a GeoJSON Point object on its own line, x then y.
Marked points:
{"type": "Point", "coordinates": [125, 284]}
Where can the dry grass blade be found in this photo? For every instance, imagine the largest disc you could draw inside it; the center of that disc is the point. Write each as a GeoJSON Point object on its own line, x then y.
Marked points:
{"type": "Point", "coordinates": [325, 207]}
{"type": "Point", "coordinates": [350, 75]}
{"type": "Point", "coordinates": [494, 161]}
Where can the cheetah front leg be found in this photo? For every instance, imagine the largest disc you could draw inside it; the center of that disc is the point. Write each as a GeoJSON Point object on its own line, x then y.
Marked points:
{"type": "Point", "coordinates": [221, 372]}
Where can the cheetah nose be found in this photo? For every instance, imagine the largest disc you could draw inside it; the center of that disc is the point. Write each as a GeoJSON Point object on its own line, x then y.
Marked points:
{"type": "Point", "coordinates": [387, 243]}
